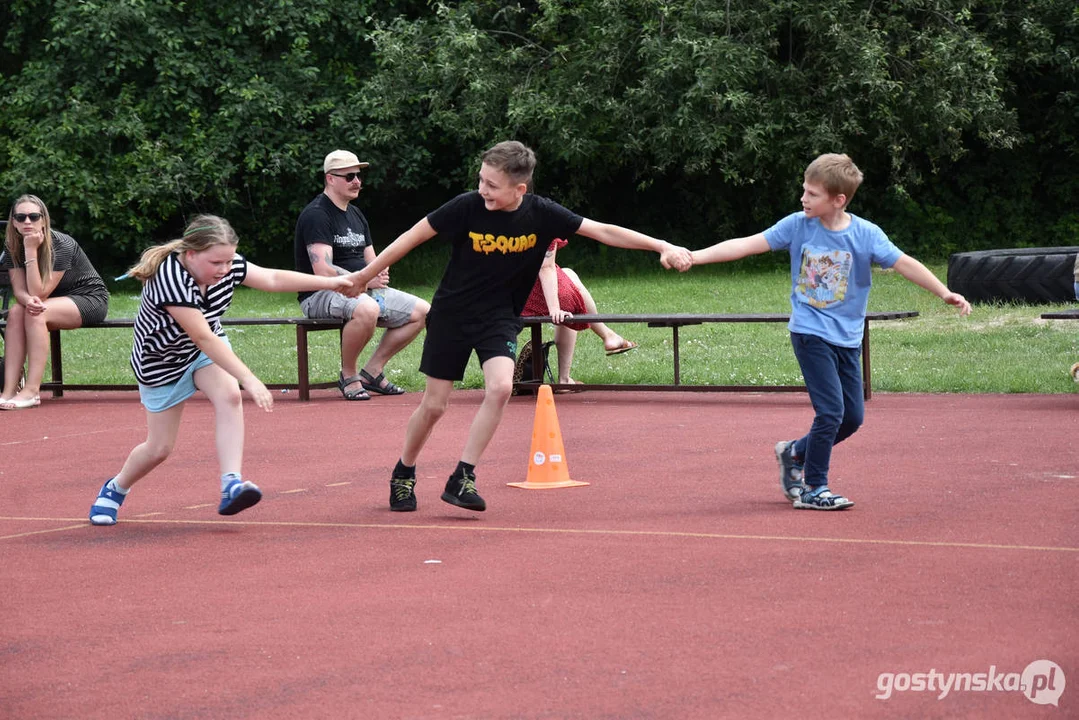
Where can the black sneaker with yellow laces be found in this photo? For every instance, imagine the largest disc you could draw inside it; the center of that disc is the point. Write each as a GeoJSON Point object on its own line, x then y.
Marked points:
{"type": "Point", "coordinates": [402, 498]}
{"type": "Point", "coordinates": [461, 491]}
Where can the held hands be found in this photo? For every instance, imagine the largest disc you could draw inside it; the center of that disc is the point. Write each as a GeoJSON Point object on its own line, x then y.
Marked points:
{"type": "Point", "coordinates": [382, 280]}
{"type": "Point", "coordinates": [959, 301]}
{"type": "Point", "coordinates": [360, 280]}
{"type": "Point", "coordinates": [345, 284]}
{"type": "Point", "coordinates": [677, 257]}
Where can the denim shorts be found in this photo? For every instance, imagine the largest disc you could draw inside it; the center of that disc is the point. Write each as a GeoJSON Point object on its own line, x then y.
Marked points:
{"type": "Point", "coordinates": [162, 397]}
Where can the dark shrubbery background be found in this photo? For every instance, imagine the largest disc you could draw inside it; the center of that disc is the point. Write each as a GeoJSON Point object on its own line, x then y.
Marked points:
{"type": "Point", "coordinates": [689, 120]}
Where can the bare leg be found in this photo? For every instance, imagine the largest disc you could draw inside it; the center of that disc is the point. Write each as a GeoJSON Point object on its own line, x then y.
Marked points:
{"type": "Point", "coordinates": [611, 339]}
{"type": "Point", "coordinates": [60, 313]}
{"type": "Point", "coordinates": [14, 351]}
{"type": "Point", "coordinates": [436, 397]}
{"type": "Point", "coordinates": [161, 431]}
{"type": "Point", "coordinates": [397, 339]}
{"type": "Point", "coordinates": [224, 394]}
{"type": "Point", "coordinates": [356, 334]}
{"type": "Point", "coordinates": [565, 340]}
{"type": "Point", "coordinates": [497, 388]}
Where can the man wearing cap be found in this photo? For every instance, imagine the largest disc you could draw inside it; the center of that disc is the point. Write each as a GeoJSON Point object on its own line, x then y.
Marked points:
{"type": "Point", "coordinates": [333, 238]}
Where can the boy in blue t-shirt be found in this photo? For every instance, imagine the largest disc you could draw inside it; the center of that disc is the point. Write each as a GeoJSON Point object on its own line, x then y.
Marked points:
{"type": "Point", "coordinates": [498, 235]}
{"type": "Point", "coordinates": [831, 253]}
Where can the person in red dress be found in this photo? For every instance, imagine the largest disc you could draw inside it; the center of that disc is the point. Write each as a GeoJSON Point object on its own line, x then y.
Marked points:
{"type": "Point", "coordinates": [559, 292]}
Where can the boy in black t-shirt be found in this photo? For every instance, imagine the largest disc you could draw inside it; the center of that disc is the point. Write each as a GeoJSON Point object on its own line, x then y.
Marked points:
{"type": "Point", "coordinates": [499, 235]}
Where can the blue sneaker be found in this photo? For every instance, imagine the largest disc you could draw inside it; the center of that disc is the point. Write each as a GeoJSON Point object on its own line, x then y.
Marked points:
{"type": "Point", "coordinates": [108, 501]}
{"type": "Point", "coordinates": [237, 496]}
{"type": "Point", "coordinates": [821, 498]}
{"type": "Point", "coordinates": [790, 471]}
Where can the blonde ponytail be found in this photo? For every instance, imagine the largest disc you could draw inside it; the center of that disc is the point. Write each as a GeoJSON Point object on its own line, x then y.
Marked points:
{"type": "Point", "coordinates": [204, 232]}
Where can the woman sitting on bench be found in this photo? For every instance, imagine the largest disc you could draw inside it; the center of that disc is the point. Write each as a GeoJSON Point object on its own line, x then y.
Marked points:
{"type": "Point", "coordinates": [559, 292]}
{"type": "Point", "coordinates": [55, 287]}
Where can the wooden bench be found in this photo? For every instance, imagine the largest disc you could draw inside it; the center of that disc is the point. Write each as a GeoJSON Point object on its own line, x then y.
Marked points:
{"type": "Point", "coordinates": [303, 326]}
{"type": "Point", "coordinates": [676, 322]}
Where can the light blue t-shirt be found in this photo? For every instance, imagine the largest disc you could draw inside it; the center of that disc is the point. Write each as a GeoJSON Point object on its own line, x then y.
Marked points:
{"type": "Point", "coordinates": [831, 274]}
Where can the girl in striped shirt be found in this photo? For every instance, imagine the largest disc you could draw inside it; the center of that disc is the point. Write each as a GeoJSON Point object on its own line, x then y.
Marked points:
{"type": "Point", "coordinates": [180, 347]}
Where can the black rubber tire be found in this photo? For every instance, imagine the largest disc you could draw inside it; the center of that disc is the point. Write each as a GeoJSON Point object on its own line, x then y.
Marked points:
{"type": "Point", "coordinates": [1034, 275]}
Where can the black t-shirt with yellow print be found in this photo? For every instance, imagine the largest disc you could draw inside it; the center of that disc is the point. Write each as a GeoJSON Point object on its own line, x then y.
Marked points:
{"type": "Point", "coordinates": [495, 256]}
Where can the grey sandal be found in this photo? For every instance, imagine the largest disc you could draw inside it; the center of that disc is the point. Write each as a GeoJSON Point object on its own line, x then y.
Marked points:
{"type": "Point", "coordinates": [343, 383]}
{"type": "Point", "coordinates": [375, 384]}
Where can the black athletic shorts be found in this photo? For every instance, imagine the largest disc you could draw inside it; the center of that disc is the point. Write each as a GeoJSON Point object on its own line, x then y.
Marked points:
{"type": "Point", "coordinates": [448, 344]}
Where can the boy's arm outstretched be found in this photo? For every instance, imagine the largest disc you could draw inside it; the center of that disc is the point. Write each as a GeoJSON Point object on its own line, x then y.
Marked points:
{"type": "Point", "coordinates": [734, 249]}
{"type": "Point", "coordinates": [618, 236]}
{"type": "Point", "coordinates": [920, 275]}
{"type": "Point", "coordinates": [416, 235]}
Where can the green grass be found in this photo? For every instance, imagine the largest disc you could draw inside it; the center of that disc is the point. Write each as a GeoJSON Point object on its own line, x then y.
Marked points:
{"type": "Point", "coordinates": [998, 349]}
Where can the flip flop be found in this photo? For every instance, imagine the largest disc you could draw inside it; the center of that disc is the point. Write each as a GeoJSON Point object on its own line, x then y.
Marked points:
{"type": "Point", "coordinates": [567, 391]}
{"type": "Point", "coordinates": [626, 346]}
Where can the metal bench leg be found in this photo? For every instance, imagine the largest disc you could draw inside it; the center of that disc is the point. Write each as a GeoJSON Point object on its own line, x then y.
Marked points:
{"type": "Point", "coordinates": [677, 359]}
{"type": "Point", "coordinates": [537, 352]}
{"type": "Point", "coordinates": [57, 363]}
{"type": "Point", "coordinates": [867, 379]}
{"type": "Point", "coordinates": [302, 380]}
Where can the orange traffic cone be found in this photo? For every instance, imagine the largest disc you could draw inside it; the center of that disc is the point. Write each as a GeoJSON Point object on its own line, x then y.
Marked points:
{"type": "Point", "coordinates": [547, 465]}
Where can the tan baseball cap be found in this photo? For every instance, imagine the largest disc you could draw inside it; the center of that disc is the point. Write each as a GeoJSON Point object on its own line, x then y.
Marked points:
{"type": "Point", "coordinates": [341, 159]}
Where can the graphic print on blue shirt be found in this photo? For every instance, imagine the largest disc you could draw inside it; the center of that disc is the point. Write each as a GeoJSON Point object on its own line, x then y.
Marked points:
{"type": "Point", "coordinates": [824, 276]}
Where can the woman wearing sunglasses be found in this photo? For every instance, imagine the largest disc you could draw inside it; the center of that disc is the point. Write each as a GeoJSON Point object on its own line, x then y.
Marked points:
{"type": "Point", "coordinates": [55, 287]}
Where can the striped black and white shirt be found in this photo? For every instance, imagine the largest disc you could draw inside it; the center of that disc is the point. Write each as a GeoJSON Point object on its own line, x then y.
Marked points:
{"type": "Point", "coordinates": [162, 350]}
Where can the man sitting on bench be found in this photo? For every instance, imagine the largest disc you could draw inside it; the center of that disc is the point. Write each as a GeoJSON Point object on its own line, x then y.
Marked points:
{"type": "Point", "coordinates": [333, 238]}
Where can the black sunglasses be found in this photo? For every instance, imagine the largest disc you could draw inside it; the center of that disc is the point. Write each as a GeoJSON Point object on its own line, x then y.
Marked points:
{"type": "Point", "coordinates": [23, 217]}
{"type": "Point", "coordinates": [349, 177]}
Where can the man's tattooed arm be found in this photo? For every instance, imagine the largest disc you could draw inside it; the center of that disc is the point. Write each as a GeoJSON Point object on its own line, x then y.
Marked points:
{"type": "Point", "coordinates": [328, 258]}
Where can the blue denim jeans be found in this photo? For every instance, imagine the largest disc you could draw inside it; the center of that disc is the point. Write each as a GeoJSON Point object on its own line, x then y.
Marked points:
{"type": "Point", "coordinates": [833, 376]}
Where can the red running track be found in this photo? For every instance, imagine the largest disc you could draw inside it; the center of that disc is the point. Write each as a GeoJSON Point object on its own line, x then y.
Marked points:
{"type": "Point", "coordinates": [678, 584]}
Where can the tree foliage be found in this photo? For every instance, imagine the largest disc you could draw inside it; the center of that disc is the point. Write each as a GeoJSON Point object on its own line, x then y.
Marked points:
{"type": "Point", "coordinates": [698, 118]}
{"type": "Point", "coordinates": [128, 115]}
{"type": "Point", "coordinates": [692, 119]}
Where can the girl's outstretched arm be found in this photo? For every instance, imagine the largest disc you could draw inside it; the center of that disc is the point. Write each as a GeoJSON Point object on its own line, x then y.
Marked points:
{"type": "Point", "coordinates": [273, 280]}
